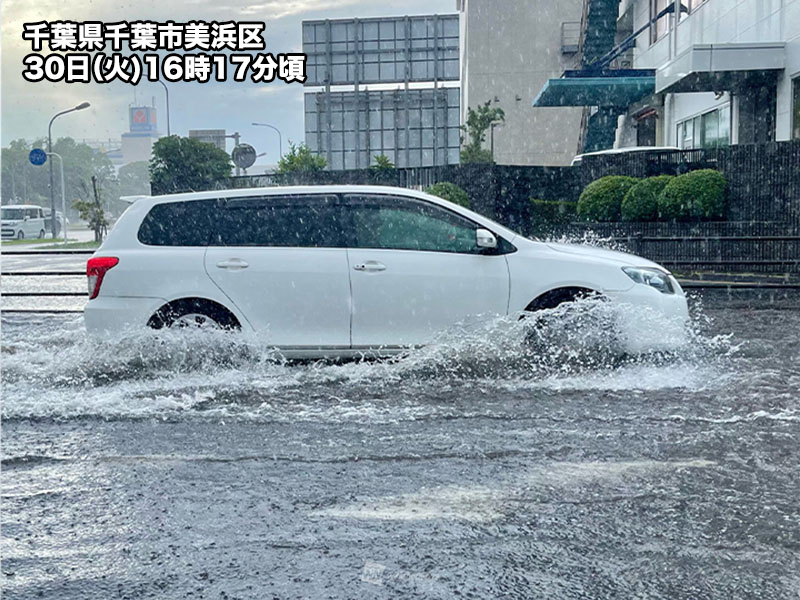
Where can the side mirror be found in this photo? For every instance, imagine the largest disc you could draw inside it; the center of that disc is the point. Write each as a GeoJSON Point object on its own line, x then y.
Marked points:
{"type": "Point", "coordinates": [485, 239]}
{"type": "Point", "coordinates": [26, 218]}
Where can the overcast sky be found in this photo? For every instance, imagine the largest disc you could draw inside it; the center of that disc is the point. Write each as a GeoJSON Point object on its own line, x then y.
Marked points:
{"type": "Point", "coordinates": [27, 107]}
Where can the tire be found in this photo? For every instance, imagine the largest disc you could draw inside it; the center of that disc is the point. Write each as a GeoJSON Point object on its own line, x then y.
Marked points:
{"type": "Point", "coordinates": [194, 313]}
{"type": "Point", "coordinates": [41, 234]}
{"type": "Point", "coordinates": [20, 235]}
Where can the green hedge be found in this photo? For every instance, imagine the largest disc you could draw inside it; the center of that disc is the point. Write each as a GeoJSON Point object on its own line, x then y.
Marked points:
{"type": "Point", "coordinates": [641, 201]}
{"type": "Point", "coordinates": [695, 195]}
{"type": "Point", "coordinates": [546, 213]}
{"type": "Point", "coordinates": [601, 200]}
{"type": "Point", "coordinates": [450, 191]}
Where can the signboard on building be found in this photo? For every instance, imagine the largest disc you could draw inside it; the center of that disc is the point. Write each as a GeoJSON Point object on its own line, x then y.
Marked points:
{"type": "Point", "coordinates": [142, 119]}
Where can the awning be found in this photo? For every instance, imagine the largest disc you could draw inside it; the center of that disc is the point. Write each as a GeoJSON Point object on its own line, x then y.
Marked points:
{"type": "Point", "coordinates": [606, 90]}
{"type": "Point", "coordinates": [720, 67]}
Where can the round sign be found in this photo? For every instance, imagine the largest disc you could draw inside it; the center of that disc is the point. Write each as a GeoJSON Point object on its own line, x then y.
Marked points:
{"type": "Point", "coordinates": [37, 156]}
{"type": "Point", "coordinates": [244, 155]}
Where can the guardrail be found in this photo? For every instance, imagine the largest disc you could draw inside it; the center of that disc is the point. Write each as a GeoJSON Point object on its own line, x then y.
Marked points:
{"type": "Point", "coordinates": [23, 294]}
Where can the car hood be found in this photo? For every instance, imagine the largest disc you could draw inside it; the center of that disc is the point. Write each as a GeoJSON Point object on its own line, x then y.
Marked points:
{"type": "Point", "coordinates": [593, 252]}
{"type": "Point", "coordinates": [8, 222]}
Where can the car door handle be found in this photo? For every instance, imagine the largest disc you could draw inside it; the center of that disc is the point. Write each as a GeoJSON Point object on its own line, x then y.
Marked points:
{"type": "Point", "coordinates": [371, 266]}
{"type": "Point", "coordinates": [232, 264]}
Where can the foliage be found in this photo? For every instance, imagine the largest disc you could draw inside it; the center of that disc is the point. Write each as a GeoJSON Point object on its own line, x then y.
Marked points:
{"type": "Point", "coordinates": [601, 200]}
{"type": "Point", "coordinates": [181, 164]}
{"type": "Point", "coordinates": [24, 183]}
{"type": "Point", "coordinates": [547, 213]}
{"type": "Point", "coordinates": [382, 162]}
{"type": "Point", "coordinates": [695, 195]}
{"type": "Point", "coordinates": [449, 191]}
{"type": "Point", "coordinates": [134, 179]}
{"type": "Point", "coordinates": [478, 122]}
{"type": "Point", "coordinates": [641, 201]}
{"type": "Point", "coordinates": [91, 210]}
{"type": "Point", "coordinates": [300, 158]}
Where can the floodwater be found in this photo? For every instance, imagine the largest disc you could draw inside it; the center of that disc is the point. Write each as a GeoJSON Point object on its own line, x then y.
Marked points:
{"type": "Point", "coordinates": [199, 465]}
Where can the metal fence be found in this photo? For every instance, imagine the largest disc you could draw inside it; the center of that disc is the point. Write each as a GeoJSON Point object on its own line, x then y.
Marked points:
{"type": "Point", "coordinates": [35, 275]}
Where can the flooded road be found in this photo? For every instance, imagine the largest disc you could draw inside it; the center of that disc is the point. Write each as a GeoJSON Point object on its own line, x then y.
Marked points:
{"type": "Point", "coordinates": [201, 466]}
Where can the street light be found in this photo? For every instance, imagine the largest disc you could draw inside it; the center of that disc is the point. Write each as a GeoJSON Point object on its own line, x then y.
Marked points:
{"type": "Point", "coordinates": [80, 106]}
{"type": "Point", "coordinates": [280, 138]}
{"type": "Point", "coordinates": [166, 89]}
{"type": "Point", "coordinates": [53, 214]}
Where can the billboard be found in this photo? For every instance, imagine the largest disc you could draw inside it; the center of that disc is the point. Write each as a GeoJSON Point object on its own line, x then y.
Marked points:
{"type": "Point", "coordinates": [413, 128]}
{"type": "Point", "coordinates": [142, 119]}
{"type": "Point", "coordinates": [382, 50]}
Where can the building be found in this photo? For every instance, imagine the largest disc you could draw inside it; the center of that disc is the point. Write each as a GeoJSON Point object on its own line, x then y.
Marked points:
{"type": "Point", "coordinates": [385, 86]}
{"type": "Point", "coordinates": [217, 137]}
{"type": "Point", "coordinates": [706, 73]}
{"type": "Point", "coordinates": [137, 142]}
{"type": "Point", "coordinates": [509, 50]}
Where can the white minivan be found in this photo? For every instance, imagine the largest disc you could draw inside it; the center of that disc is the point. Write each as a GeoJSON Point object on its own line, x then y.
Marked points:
{"type": "Point", "coordinates": [20, 221]}
{"type": "Point", "coordinates": [342, 270]}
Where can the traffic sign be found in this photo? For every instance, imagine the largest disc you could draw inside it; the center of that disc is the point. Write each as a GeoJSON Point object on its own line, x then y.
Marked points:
{"type": "Point", "coordinates": [244, 155]}
{"type": "Point", "coordinates": [37, 156]}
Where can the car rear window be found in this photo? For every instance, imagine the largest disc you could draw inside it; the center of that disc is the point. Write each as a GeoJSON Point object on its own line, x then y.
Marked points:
{"type": "Point", "coordinates": [187, 223]}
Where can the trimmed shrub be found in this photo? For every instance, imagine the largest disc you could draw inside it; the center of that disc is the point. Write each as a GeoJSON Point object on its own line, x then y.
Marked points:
{"type": "Point", "coordinates": [449, 191]}
{"type": "Point", "coordinates": [641, 201]}
{"type": "Point", "coordinates": [546, 213]}
{"type": "Point", "coordinates": [601, 200]}
{"type": "Point", "coordinates": [695, 195]}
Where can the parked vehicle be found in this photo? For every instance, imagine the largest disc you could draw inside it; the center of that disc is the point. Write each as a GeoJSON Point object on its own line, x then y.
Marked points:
{"type": "Point", "coordinates": [339, 270]}
{"type": "Point", "coordinates": [20, 221]}
{"type": "Point", "coordinates": [630, 150]}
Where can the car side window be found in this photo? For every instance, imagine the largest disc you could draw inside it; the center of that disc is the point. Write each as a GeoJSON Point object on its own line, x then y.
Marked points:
{"type": "Point", "coordinates": [392, 222]}
{"type": "Point", "coordinates": [187, 223]}
{"type": "Point", "coordinates": [305, 221]}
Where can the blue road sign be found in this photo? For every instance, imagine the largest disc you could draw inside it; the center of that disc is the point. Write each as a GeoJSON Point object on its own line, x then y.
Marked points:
{"type": "Point", "coordinates": [37, 156]}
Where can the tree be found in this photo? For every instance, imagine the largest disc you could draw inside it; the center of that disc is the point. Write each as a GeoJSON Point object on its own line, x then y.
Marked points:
{"type": "Point", "coordinates": [181, 164]}
{"type": "Point", "coordinates": [381, 163]}
{"type": "Point", "coordinates": [91, 210]}
{"type": "Point", "coordinates": [300, 158]}
{"type": "Point", "coordinates": [478, 122]}
{"type": "Point", "coordinates": [134, 179]}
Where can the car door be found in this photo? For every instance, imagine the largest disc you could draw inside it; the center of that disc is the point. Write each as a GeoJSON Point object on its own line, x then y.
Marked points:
{"type": "Point", "coordinates": [282, 262]}
{"type": "Point", "coordinates": [415, 270]}
{"type": "Point", "coordinates": [31, 223]}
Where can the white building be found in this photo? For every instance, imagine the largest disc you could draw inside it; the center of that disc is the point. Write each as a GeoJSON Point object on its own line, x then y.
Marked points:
{"type": "Point", "coordinates": [724, 72]}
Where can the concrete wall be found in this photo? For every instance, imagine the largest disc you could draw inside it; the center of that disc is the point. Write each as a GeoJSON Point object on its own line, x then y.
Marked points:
{"type": "Point", "coordinates": [510, 49]}
{"type": "Point", "coordinates": [724, 21]}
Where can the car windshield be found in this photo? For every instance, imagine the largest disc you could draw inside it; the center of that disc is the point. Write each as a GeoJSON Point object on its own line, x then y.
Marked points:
{"type": "Point", "coordinates": [13, 214]}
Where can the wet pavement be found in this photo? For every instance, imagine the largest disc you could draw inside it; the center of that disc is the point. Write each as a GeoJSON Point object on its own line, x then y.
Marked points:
{"type": "Point", "coordinates": [201, 466]}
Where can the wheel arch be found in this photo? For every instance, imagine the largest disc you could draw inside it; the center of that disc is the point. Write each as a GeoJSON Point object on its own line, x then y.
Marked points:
{"type": "Point", "coordinates": [556, 296]}
{"type": "Point", "coordinates": [167, 312]}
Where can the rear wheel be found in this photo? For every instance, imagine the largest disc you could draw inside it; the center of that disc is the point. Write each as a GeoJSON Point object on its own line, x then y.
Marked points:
{"type": "Point", "coordinates": [194, 313]}
{"type": "Point", "coordinates": [41, 234]}
{"type": "Point", "coordinates": [20, 235]}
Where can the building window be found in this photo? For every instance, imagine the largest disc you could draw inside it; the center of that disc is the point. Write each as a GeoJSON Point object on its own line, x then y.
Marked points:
{"type": "Point", "coordinates": [796, 108]}
{"type": "Point", "coordinates": [693, 5]}
{"type": "Point", "coordinates": [709, 130]}
{"type": "Point", "coordinates": [658, 27]}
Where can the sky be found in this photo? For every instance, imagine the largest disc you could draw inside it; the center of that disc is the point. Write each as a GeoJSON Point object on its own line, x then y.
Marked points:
{"type": "Point", "coordinates": [27, 107]}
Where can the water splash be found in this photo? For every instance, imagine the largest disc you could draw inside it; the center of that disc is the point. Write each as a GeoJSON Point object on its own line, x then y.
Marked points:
{"type": "Point", "coordinates": [60, 372]}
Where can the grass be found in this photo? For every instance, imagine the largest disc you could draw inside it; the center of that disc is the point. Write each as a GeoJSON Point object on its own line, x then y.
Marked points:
{"type": "Point", "coordinates": [57, 243]}
{"type": "Point", "coordinates": [31, 241]}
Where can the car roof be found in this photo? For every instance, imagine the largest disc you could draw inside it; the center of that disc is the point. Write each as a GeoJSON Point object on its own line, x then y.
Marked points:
{"type": "Point", "coordinates": [629, 150]}
{"type": "Point", "coordinates": [22, 206]}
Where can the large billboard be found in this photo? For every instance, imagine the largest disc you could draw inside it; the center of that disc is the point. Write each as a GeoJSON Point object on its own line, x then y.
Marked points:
{"type": "Point", "coordinates": [384, 50]}
{"type": "Point", "coordinates": [413, 128]}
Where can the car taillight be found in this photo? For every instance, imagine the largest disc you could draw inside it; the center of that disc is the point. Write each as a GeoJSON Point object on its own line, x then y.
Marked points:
{"type": "Point", "coordinates": [96, 269]}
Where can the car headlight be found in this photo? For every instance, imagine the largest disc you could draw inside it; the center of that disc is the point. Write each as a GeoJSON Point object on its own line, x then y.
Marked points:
{"type": "Point", "coordinates": [655, 278]}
